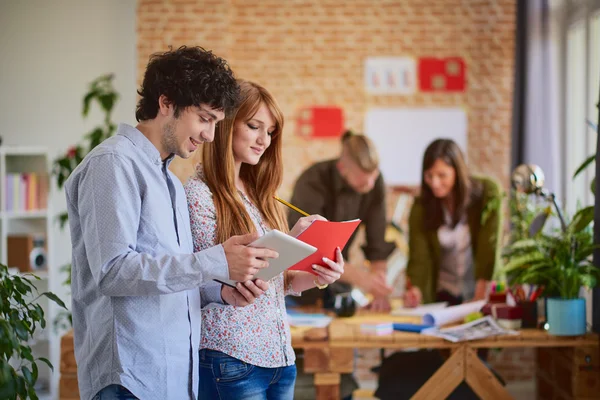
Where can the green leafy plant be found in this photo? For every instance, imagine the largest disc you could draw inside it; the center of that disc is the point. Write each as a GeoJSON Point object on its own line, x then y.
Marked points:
{"type": "Point", "coordinates": [102, 92]}
{"type": "Point", "coordinates": [20, 315]}
{"type": "Point", "coordinates": [523, 210]}
{"type": "Point", "coordinates": [561, 262]}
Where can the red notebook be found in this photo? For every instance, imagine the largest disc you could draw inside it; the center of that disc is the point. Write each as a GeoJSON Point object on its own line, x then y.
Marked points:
{"type": "Point", "coordinates": [325, 236]}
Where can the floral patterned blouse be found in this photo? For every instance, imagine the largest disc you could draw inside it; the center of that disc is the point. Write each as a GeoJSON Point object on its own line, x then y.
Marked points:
{"type": "Point", "coordinates": [259, 333]}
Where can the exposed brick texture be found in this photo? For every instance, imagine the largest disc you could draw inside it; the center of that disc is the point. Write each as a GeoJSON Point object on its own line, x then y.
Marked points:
{"type": "Point", "coordinates": [312, 52]}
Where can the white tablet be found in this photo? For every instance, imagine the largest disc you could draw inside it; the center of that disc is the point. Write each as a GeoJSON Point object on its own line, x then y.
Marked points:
{"type": "Point", "coordinates": [290, 249]}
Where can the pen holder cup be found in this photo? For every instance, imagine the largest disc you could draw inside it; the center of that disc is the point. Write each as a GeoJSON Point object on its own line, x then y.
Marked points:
{"type": "Point", "coordinates": [530, 315]}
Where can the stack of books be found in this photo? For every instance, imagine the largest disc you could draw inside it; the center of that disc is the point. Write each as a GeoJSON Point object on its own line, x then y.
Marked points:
{"type": "Point", "coordinates": [26, 192]}
{"type": "Point", "coordinates": [377, 328]}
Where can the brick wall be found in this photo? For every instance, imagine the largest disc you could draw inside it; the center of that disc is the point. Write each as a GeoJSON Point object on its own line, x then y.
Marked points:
{"type": "Point", "coordinates": [312, 52]}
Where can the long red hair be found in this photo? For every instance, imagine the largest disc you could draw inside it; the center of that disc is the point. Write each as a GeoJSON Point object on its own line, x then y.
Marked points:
{"type": "Point", "coordinates": [261, 181]}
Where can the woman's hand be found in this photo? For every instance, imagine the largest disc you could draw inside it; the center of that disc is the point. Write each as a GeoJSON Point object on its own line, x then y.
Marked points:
{"type": "Point", "coordinates": [304, 223]}
{"type": "Point", "coordinates": [326, 275]}
{"type": "Point", "coordinates": [244, 293]}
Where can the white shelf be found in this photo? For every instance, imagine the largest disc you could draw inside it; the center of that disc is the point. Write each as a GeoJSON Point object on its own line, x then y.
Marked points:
{"type": "Point", "coordinates": [23, 151]}
{"type": "Point", "coordinates": [42, 274]}
{"type": "Point", "coordinates": [32, 160]}
{"type": "Point", "coordinates": [28, 214]}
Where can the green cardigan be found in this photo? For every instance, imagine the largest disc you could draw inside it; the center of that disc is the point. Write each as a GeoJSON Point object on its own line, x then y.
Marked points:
{"type": "Point", "coordinates": [485, 223]}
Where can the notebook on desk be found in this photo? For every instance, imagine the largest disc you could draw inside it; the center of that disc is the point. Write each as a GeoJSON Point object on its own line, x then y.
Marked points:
{"type": "Point", "coordinates": [290, 249]}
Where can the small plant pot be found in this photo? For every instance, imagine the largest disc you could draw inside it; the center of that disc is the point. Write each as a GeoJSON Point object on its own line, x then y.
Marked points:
{"type": "Point", "coordinates": [566, 317]}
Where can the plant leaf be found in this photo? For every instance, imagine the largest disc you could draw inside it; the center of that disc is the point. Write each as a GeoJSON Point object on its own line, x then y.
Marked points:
{"type": "Point", "coordinates": [8, 388]}
{"type": "Point", "coordinates": [34, 371]}
{"type": "Point", "coordinates": [55, 299]}
{"type": "Point", "coordinates": [523, 261]}
{"type": "Point", "coordinates": [87, 100]}
{"type": "Point", "coordinates": [581, 219]}
{"type": "Point", "coordinates": [47, 362]}
{"type": "Point", "coordinates": [588, 280]}
{"type": "Point", "coordinates": [62, 219]}
{"type": "Point", "coordinates": [584, 165]}
{"type": "Point", "coordinates": [21, 330]}
{"type": "Point", "coordinates": [26, 353]}
{"type": "Point", "coordinates": [27, 375]}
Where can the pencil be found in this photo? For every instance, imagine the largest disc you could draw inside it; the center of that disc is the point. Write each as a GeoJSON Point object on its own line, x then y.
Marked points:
{"type": "Point", "coordinates": [293, 207]}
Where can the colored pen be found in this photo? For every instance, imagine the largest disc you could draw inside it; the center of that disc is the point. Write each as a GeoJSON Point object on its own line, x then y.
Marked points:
{"type": "Point", "coordinates": [293, 207]}
{"type": "Point", "coordinates": [537, 293]}
{"type": "Point", "coordinates": [532, 290]}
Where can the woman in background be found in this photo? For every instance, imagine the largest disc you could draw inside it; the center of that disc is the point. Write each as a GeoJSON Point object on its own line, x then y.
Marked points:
{"type": "Point", "coordinates": [454, 230]}
{"type": "Point", "coordinates": [453, 246]}
{"type": "Point", "coordinates": [246, 352]}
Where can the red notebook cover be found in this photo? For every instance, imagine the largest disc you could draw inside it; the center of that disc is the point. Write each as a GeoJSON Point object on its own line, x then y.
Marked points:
{"type": "Point", "coordinates": [325, 236]}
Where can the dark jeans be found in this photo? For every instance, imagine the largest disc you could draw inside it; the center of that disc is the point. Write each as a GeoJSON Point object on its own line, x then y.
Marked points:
{"type": "Point", "coordinates": [224, 377]}
{"type": "Point", "coordinates": [114, 392]}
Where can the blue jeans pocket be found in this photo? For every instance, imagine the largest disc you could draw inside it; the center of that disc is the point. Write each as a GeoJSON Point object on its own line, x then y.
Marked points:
{"type": "Point", "coordinates": [231, 369]}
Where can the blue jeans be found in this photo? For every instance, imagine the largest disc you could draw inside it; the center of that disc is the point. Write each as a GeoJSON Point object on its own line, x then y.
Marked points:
{"type": "Point", "coordinates": [114, 392]}
{"type": "Point", "coordinates": [226, 378]}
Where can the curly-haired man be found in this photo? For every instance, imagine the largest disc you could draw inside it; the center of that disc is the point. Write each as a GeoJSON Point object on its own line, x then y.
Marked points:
{"type": "Point", "coordinates": [135, 277]}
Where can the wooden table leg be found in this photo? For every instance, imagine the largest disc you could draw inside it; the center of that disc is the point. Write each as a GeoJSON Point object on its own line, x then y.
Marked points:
{"type": "Point", "coordinates": [327, 385]}
{"type": "Point", "coordinates": [441, 384]}
{"type": "Point", "coordinates": [481, 379]}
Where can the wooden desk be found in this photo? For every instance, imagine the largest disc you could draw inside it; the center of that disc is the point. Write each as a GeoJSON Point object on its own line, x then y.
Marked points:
{"type": "Point", "coordinates": [329, 352]}
{"type": "Point", "coordinates": [328, 358]}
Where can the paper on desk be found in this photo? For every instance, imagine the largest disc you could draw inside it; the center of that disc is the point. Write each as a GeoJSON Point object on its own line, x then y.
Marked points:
{"type": "Point", "coordinates": [451, 314]}
{"type": "Point", "coordinates": [308, 320]}
{"type": "Point", "coordinates": [419, 311]}
{"type": "Point", "coordinates": [478, 329]}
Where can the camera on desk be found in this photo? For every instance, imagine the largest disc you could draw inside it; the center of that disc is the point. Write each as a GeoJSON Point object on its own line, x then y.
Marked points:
{"type": "Point", "coordinates": [27, 252]}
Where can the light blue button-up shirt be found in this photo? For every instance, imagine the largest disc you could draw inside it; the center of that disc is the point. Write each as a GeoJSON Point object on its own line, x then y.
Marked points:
{"type": "Point", "coordinates": [135, 278]}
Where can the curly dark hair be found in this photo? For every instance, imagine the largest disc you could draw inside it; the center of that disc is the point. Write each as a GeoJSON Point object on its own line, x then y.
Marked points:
{"type": "Point", "coordinates": [188, 76]}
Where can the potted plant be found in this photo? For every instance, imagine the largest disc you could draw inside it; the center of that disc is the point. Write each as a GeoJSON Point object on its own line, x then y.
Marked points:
{"type": "Point", "coordinates": [20, 315]}
{"type": "Point", "coordinates": [561, 262]}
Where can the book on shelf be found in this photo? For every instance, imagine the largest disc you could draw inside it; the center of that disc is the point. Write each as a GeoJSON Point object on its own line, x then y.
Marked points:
{"type": "Point", "coordinates": [26, 191]}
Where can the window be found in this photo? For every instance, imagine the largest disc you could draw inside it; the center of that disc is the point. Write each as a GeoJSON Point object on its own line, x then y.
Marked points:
{"type": "Point", "coordinates": [594, 88]}
{"type": "Point", "coordinates": [582, 81]}
{"type": "Point", "coordinates": [582, 86]}
{"type": "Point", "coordinates": [576, 129]}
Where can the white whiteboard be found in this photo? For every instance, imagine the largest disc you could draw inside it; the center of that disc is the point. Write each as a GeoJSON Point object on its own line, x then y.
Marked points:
{"type": "Point", "coordinates": [401, 136]}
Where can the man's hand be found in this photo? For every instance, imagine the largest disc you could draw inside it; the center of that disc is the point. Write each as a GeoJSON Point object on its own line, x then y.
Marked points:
{"type": "Point", "coordinates": [412, 297]}
{"type": "Point", "coordinates": [304, 223]}
{"type": "Point", "coordinates": [375, 283]}
{"type": "Point", "coordinates": [380, 304]}
{"type": "Point", "coordinates": [480, 290]}
{"type": "Point", "coordinates": [244, 262]}
{"type": "Point", "coordinates": [244, 293]}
